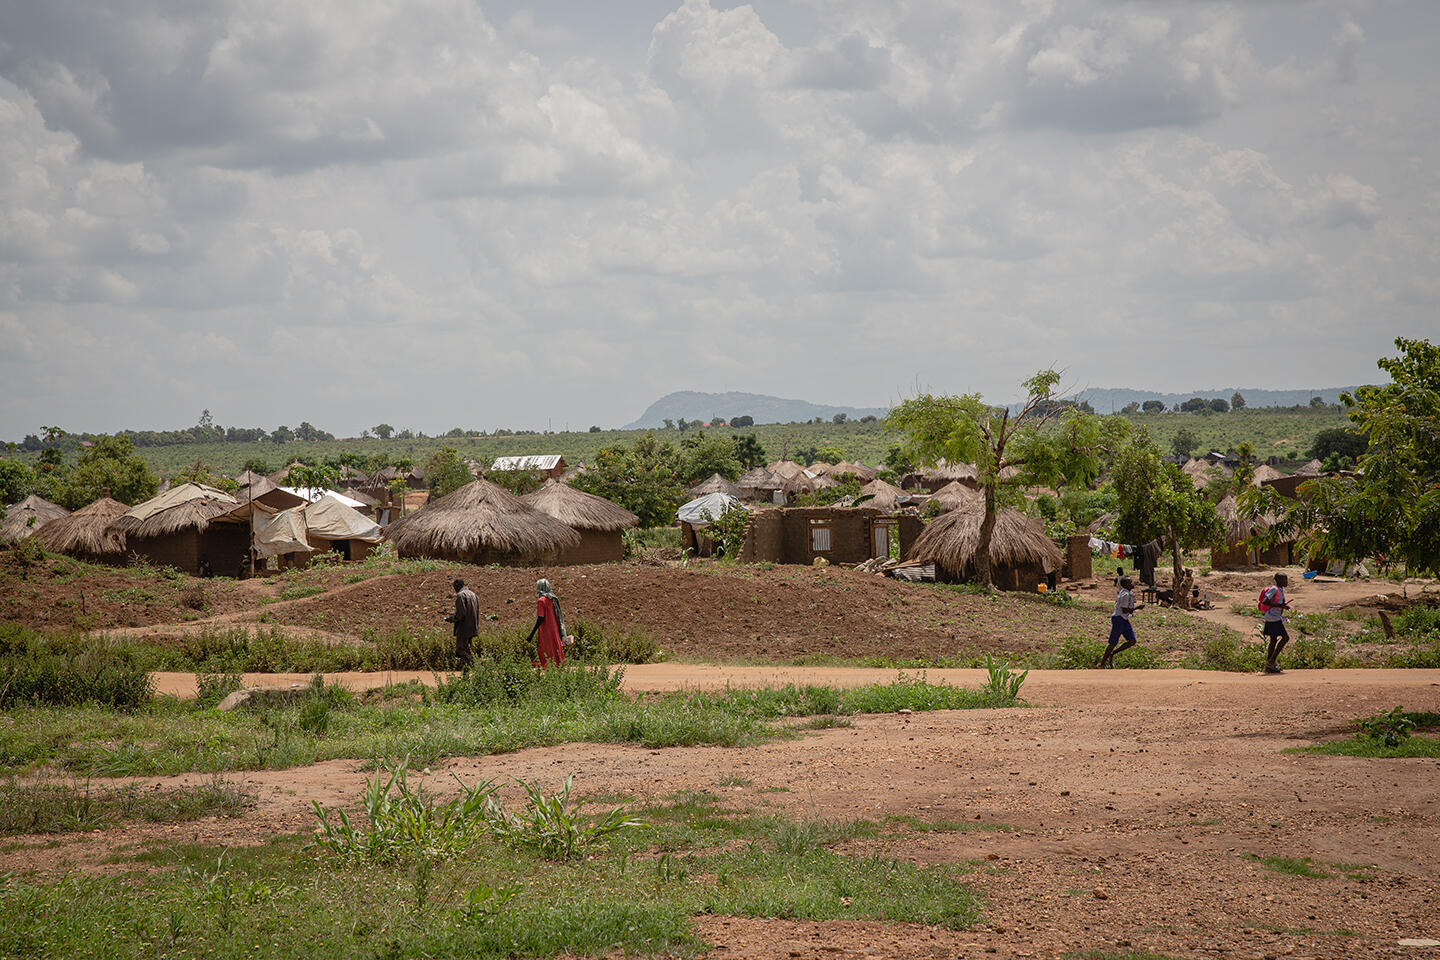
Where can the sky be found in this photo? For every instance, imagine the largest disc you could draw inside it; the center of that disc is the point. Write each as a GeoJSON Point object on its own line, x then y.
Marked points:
{"type": "Point", "coordinates": [440, 213]}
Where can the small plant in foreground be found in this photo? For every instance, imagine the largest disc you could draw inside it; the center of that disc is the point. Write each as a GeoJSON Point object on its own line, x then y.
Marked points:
{"type": "Point", "coordinates": [553, 826]}
{"type": "Point", "coordinates": [1004, 684]}
{"type": "Point", "coordinates": [1389, 727]}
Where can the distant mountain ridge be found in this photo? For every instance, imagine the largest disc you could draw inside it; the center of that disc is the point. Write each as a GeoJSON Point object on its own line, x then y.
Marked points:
{"type": "Point", "coordinates": [1108, 399]}
{"type": "Point", "coordinates": [694, 405]}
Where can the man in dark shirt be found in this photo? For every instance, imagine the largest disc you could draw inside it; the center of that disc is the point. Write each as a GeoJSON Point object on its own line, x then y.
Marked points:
{"type": "Point", "coordinates": [467, 622]}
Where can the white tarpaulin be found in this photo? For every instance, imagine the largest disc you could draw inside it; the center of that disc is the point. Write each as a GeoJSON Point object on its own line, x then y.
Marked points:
{"type": "Point", "coordinates": [316, 494]}
{"type": "Point", "coordinates": [176, 496]}
{"type": "Point", "coordinates": [330, 519]}
{"type": "Point", "coordinates": [702, 510]}
{"type": "Point", "coordinates": [280, 533]}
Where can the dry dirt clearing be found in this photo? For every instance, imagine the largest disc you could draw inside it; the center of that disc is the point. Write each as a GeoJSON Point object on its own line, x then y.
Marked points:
{"type": "Point", "coordinates": [1122, 814]}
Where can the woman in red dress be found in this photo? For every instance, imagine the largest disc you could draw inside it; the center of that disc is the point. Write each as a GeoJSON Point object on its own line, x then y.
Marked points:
{"type": "Point", "coordinates": [549, 624]}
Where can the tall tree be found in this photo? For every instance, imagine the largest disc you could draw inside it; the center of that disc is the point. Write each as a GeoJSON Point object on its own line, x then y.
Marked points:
{"type": "Point", "coordinates": [1155, 498]}
{"type": "Point", "coordinates": [1390, 508]}
{"type": "Point", "coordinates": [109, 462]}
{"type": "Point", "coordinates": [445, 471]}
{"type": "Point", "coordinates": [1009, 449]}
{"type": "Point", "coordinates": [1184, 441]}
{"type": "Point", "coordinates": [644, 478]}
{"type": "Point", "coordinates": [1237, 401]}
{"type": "Point", "coordinates": [749, 451]}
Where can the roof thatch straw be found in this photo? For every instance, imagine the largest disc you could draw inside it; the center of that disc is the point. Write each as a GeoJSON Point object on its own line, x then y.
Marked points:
{"type": "Point", "coordinates": [1311, 469]}
{"type": "Point", "coordinates": [944, 470]}
{"type": "Point", "coordinates": [578, 509]}
{"type": "Point", "coordinates": [190, 506]}
{"type": "Point", "coordinates": [1265, 472]}
{"type": "Point", "coordinates": [762, 479]}
{"type": "Point", "coordinates": [788, 469]}
{"type": "Point", "coordinates": [24, 518]}
{"type": "Point", "coordinates": [950, 542]}
{"type": "Point", "coordinates": [1237, 527]}
{"type": "Point", "coordinates": [798, 485]}
{"type": "Point", "coordinates": [819, 468]}
{"type": "Point", "coordinates": [249, 477]}
{"type": "Point", "coordinates": [858, 469]}
{"type": "Point", "coordinates": [1103, 522]}
{"type": "Point", "coordinates": [480, 519]}
{"type": "Point", "coordinates": [84, 532]}
{"type": "Point", "coordinates": [715, 484]}
{"type": "Point", "coordinates": [824, 482]}
{"type": "Point", "coordinates": [955, 495]}
{"type": "Point", "coordinates": [883, 496]}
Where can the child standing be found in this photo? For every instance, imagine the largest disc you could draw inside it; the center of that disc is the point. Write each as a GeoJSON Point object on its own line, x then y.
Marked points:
{"type": "Point", "coordinates": [1120, 623]}
{"type": "Point", "coordinates": [1273, 602]}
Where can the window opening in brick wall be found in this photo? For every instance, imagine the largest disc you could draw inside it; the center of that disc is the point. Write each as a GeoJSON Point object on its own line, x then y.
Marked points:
{"type": "Point", "coordinates": [820, 536]}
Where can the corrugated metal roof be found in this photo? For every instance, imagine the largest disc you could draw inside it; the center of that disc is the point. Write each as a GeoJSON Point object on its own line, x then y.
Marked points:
{"type": "Point", "coordinates": [547, 461]}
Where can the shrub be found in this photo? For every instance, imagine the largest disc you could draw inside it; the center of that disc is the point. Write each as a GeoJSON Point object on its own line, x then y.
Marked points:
{"type": "Point", "coordinates": [68, 670]}
{"type": "Point", "coordinates": [592, 642]}
{"type": "Point", "coordinates": [513, 681]}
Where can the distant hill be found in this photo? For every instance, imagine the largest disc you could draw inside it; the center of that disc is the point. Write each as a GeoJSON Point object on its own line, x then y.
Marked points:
{"type": "Point", "coordinates": [1106, 399]}
{"type": "Point", "coordinates": [693, 405]}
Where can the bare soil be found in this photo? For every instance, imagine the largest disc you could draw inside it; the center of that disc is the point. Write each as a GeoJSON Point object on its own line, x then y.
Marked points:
{"type": "Point", "coordinates": [1122, 813]}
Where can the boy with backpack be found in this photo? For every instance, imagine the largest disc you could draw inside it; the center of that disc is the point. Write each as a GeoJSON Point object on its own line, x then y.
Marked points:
{"type": "Point", "coordinates": [1120, 624]}
{"type": "Point", "coordinates": [1273, 606]}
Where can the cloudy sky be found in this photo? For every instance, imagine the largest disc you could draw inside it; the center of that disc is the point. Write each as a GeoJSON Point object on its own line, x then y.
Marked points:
{"type": "Point", "coordinates": [465, 212]}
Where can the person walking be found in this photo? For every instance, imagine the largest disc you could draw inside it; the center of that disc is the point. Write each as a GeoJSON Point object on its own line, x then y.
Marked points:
{"type": "Point", "coordinates": [467, 623]}
{"type": "Point", "coordinates": [1120, 624]}
{"type": "Point", "coordinates": [549, 624]}
{"type": "Point", "coordinates": [1273, 606]}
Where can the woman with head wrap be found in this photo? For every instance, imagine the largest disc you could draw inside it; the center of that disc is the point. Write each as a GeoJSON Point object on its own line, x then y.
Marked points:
{"type": "Point", "coordinates": [549, 624]}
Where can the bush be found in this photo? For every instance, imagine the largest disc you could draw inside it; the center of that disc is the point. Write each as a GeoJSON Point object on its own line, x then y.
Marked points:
{"type": "Point", "coordinates": [514, 681]}
{"type": "Point", "coordinates": [1417, 621]}
{"type": "Point", "coordinates": [68, 670]}
{"type": "Point", "coordinates": [594, 643]}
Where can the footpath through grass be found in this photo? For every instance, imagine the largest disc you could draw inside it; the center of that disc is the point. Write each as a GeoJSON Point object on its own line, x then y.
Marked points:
{"type": "Point", "coordinates": [633, 890]}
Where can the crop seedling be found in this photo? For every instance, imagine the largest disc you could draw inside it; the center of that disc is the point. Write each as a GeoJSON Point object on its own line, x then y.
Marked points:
{"type": "Point", "coordinates": [552, 826]}
{"type": "Point", "coordinates": [1389, 727]}
{"type": "Point", "coordinates": [1003, 685]}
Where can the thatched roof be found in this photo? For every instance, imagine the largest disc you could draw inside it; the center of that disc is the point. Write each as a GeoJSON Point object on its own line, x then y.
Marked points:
{"type": "Point", "coordinates": [24, 518]}
{"type": "Point", "coordinates": [84, 532]}
{"type": "Point", "coordinates": [715, 484]}
{"type": "Point", "coordinates": [955, 495]}
{"type": "Point", "coordinates": [249, 477]}
{"type": "Point", "coordinates": [1017, 540]}
{"type": "Point", "coordinates": [944, 470]}
{"type": "Point", "coordinates": [1311, 469]}
{"type": "Point", "coordinates": [186, 507]}
{"type": "Point", "coordinates": [787, 469]}
{"type": "Point", "coordinates": [1266, 472]}
{"type": "Point", "coordinates": [883, 496]}
{"type": "Point", "coordinates": [761, 479]}
{"type": "Point", "coordinates": [858, 469]}
{"type": "Point", "coordinates": [803, 483]}
{"type": "Point", "coordinates": [479, 517]}
{"type": "Point", "coordinates": [819, 468]}
{"type": "Point", "coordinates": [578, 509]}
{"type": "Point", "coordinates": [1239, 528]}
{"type": "Point", "coordinates": [824, 482]}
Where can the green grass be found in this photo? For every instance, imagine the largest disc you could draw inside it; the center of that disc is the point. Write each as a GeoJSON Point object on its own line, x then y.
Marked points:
{"type": "Point", "coordinates": [48, 807]}
{"type": "Point", "coordinates": [634, 893]}
{"type": "Point", "coordinates": [1294, 866]}
{"type": "Point", "coordinates": [1365, 746]}
{"type": "Point", "coordinates": [482, 716]}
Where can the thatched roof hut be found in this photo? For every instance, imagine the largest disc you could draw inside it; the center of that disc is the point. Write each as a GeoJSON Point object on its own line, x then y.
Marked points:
{"type": "Point", "coordinates": [24, 518]}
{"type": "Point", "coordinates": [245, 479]}
{"type": "Point", "coordinates": [787, 469]}
{"type": "Point", "coordinates": [1311, 469]}
{"type": "Point", "coordinates": [864, 473]}
{"type": "Point", "coordinates": [819, 468]}
{"type": "Point", "coordinates": [578, 509]}
{"type": "Point", "coordinates": [1238, 528]}
{"type": "Point", "coordinates": [884, 497]}
{"type": "Point", "coordinates": [824, 482]}
{"type": "Point", "coordinates": [84, 533]}
{"type": "Point", "coordinates": [1020, 552]}
{"type": "Point", "coordinates": [190, 526]}
{"type": "Point", "coordinates": [954, 496]}
{"type": "Point", "coordinates": [188, 506]}
{"type": "Point", "coordinates": [762, 484]}
{"type": "Point", "coordinates": [947, 472]}
{"type": "Point", "coordinates": [715, 484]}
{"type": "Point", "coordinates": [1264, 473]}
{"type": "Point", "coordinates": [481, 522]}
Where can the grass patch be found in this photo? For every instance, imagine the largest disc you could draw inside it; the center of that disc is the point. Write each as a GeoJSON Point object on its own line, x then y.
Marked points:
{"type": "Point", "coordinates": [301, 590]}
{"type": "Point", "coordinates": [915, 824]}
{"type": "Point", "coordinates": [68, 807]}
{"type": "Point", "coordinates": [1295, 866]}
{"type": "Point", "coordinates": [1365, 746]}
{"type": "Point", "coordinates": [495, 709]}
{"type": "Point", "coordinates": [632, 893]}
{"type": "Point", "coordinates": [40, 670]}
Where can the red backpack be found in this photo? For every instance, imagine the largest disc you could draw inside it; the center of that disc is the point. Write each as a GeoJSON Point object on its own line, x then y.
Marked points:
{"type": "Point", "coordinates": [1266, 596]}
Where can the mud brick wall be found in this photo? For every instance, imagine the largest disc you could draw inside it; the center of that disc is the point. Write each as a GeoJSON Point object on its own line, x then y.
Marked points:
{"type": "Point", "coordinates": [765, 537]}
{"type": "Point", "coordinates": [223, 544]}
{"type": "Point", "coordinates": [1077, 558]}
{"type": "Point", "coordinates": [849, 534]}
{"type": "Point", "coordinates": [596, 546]}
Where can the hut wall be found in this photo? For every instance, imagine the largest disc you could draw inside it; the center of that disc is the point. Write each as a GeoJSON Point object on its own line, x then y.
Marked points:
{"type": "Point", "coordinates": [1277, 556]}
{"type": "Point", "coordinates": [911, 527]}
{"type": "Point", "coordinates": [695, 541]}
{"type": "Point", "coordinates": [1077, 558]}
{"type": "Point", "coordinates": [849, 534]}
{"type": "Point", "coordinates": [225, 545]}
{"type": "Point", "coordinates": [1231, 557]}
{"type": "Point", "coordinates": [769, 536]}
{"type": "Point", "coordinates": [595, 546]}
{"type": "Point", "coordinates": [1287, 486]}
{"type": "Point", "coordinates": [349, 549]}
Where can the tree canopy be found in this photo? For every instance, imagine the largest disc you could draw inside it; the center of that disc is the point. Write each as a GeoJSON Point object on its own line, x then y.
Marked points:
{"type": "Point", "coordinates": [1155, 499]}
{"type": "Point", "coordinates": [644, 478]}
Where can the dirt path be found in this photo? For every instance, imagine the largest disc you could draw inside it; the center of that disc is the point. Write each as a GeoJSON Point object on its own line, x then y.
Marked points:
{"type": "Point", "coordinates": [1122, 813]}
{"type": "Point", "coordinates": [1321, 595]}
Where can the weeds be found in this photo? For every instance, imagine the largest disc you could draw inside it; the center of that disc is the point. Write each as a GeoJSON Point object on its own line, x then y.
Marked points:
{"type": "Point", "coordinates": [1003, 686]}
{"type": "Point", "coordinates": [65, 807]}
{"type": "Point", "coordinates": [553, 826]}
{"type": "Point", "coordinates": [1390, 727]}
{"type": "Point", "coordinates": [39, 670]}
